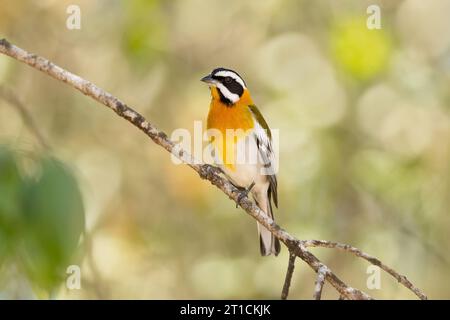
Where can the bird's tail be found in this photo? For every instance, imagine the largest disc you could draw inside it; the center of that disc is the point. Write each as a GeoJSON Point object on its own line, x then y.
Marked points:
{"type": "Point", "coordinates": [268, 243]}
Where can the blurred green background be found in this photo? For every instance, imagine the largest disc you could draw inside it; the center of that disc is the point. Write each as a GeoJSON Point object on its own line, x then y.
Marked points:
{"type": "Point", "coordinates": [364, 158]}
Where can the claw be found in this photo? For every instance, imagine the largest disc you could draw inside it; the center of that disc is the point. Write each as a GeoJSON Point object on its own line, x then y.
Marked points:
{"type": "Point", "coordinates": [244, 193]}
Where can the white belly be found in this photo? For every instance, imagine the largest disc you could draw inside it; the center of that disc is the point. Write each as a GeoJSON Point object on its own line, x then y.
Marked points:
{"type": "Point", "coordinates": [247, 165]}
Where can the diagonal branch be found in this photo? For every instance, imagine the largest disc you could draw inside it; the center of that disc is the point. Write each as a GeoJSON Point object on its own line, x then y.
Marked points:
{"type": "Point", "coordinates": [205, 171]}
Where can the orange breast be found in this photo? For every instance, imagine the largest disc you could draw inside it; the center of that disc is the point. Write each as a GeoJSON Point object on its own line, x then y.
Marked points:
{"type": "Point", "coordinates": [222, 117]}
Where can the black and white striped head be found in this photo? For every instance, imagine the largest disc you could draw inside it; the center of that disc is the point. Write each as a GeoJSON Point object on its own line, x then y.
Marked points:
{"type": "Point", "coordinates": [230, 86]}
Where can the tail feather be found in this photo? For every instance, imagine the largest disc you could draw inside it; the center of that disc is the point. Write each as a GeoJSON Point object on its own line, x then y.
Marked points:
{"type": "Point", "coordinates": [268, 243]}
{"type": "Point", "coordinates": [268, 246]}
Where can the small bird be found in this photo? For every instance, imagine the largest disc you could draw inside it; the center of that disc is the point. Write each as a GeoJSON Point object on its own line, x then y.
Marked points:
{"type": "Point", "coordinates": [246, 157]}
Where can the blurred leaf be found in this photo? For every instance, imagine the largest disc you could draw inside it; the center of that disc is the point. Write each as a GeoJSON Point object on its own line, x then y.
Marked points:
{"type": "Point", "coordinates": [54, 216]}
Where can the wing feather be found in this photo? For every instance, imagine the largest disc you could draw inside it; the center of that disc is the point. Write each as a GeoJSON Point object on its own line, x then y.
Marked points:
{"type": "Point", "coordinates": [263, 138]}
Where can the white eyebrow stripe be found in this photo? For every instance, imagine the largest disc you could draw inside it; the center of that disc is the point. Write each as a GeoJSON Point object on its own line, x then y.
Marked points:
{"type": "Point", "coordinates": [227, 93]}
{"type": "Point", "coordinates": [226, 73]}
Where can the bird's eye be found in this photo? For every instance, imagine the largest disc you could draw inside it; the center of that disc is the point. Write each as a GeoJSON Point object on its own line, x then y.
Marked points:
{"type": "Point", "coordinates": [227, 80]}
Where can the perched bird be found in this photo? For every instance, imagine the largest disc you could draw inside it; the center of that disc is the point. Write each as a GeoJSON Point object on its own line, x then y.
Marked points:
{"type": "Point", "coordinates": [242, 144]}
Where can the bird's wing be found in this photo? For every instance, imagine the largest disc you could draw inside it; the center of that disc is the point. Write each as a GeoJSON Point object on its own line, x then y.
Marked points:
{"type": "Point", "coordinates": [264, 142]}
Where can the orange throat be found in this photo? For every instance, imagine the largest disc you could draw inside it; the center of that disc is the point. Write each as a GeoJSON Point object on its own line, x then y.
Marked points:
{"type": "Point", "coordinates": [237, 116]}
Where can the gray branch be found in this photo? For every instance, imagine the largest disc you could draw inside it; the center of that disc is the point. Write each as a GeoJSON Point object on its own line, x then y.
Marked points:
{"type": "Point", "coordinates": [288, 278]}
{"type": "Point", "coordinates": [205, 171]}
{"type": "Point", "coordinates": [320, 281]}
{"type": "Point", "coordinates": [357, 252]}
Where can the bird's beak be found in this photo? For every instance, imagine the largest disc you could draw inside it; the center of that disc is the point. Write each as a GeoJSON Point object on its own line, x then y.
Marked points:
{"type": "Point", "coordinates": [208, 79]}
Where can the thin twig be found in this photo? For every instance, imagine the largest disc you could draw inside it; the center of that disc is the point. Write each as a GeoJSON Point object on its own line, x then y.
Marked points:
{"type": "Point", "coordinates": [288, 278]}
{"type": "Point", "coordinates": [205, 171]}
{"type": "Point", "coordinates": [357, 252]}
{"type": "Point", "coordinates": [320, 281]}
{"type": "Point", "coordinates": [12, 99]}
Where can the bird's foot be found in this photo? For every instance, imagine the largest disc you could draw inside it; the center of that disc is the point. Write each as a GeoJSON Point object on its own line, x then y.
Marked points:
{"type": "Point", "coordinates": [244, 193]}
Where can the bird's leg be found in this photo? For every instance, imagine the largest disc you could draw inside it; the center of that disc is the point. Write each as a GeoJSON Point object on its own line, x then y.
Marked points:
{"type": "Point", "coordinates": [208, 169]}
{"type": "Point", "coordinates": [244, 192]}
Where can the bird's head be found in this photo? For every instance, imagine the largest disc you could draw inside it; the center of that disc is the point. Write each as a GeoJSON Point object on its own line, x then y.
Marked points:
{"type": "Point", "coordinates": [227, 86]}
